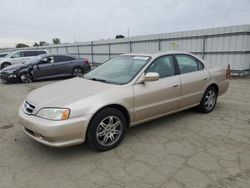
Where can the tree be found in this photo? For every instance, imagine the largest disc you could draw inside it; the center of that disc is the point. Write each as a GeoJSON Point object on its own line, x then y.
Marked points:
{"type": "Point", "coordinates": [42, 43]}
{"type": "Point", "coordinates": [35, 44]}
{"type": "Point", "coordinates": [56, 41]}
{"type": "Point", "coordinates": [119, 36]}
{"type": "Point", "coordinates": [21, 45]}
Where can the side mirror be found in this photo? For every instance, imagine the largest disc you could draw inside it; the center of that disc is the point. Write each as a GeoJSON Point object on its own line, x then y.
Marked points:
{"type": "Point", "coordinates": [149, 77]}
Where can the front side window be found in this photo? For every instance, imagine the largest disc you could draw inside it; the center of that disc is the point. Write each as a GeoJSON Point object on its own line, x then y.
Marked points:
{"type": "Point", "coordinates": [164, 66]}
{"type": "Point", "coordinates": [187, 63]}
{"type": "Point", "coordinates": [47, 60]}
{"type": "Point", "coordinates": [118, 70]}
{"type": "Point", "coordinates": [17, 55]}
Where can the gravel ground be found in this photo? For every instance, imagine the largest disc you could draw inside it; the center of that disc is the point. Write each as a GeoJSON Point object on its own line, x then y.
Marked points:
{"type": "Point", "coordinates": [187, 149]}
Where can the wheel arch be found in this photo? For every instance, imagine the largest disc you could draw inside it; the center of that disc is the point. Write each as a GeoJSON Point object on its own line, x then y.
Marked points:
{"type": "Point", "coordinates": [4, 63]}
{"type": "Point", "coordinates": [215, 86]}
{"type": "Point", "coordinates": [115, 106]}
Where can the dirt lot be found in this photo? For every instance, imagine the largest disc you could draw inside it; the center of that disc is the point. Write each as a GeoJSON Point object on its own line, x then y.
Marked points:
{"type": "Point", "coordinates": [182, 150]}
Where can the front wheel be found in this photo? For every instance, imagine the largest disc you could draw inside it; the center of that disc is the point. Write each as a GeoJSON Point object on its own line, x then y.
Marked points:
{"type": "Point", "coordinates": [106, 129]}
{"type": "Point", "coordinates": [26, 78]}
{"type": "Point", "coordinates": [209, 100]}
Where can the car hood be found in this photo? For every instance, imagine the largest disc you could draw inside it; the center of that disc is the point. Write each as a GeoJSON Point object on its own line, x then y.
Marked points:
{"type": "Point", "coordinates": [13, 67]}
{"type": "Point", "coordinates": [64, 93]}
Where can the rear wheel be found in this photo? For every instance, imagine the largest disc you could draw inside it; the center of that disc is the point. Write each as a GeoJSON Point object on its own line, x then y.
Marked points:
{"type": "Point", "coordinates": [209, 100]}
{"type": "Point", "coordinates": [106, 129]}
{"type": "Point", "coordinates": [77, 72]}
{"type": "Point", "coordinates": [5, 64]}
{"type": "Point", "coordinates": [26, 78]}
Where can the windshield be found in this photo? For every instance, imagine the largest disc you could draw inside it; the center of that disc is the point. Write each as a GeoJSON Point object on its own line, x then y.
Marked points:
{"type": "Point", "coordinates": [32, 60]}
{"type": "Point", "coordinates": [119, 70]}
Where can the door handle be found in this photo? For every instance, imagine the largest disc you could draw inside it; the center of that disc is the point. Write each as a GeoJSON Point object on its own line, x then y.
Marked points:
{"type": "Point", "coordinates": [205, 78]}
{"type": "Point", "coordinates": [175, 85]}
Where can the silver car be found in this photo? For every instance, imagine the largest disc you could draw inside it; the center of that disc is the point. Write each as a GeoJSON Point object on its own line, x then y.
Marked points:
{"type": "Point", "coordinates": [19, 56]}
{"type": "Point", "coordinates": [125, 91]}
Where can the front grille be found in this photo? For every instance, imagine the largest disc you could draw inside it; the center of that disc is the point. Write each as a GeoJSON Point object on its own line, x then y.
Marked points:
{"type": "Point", "coordinates": [28, 108]}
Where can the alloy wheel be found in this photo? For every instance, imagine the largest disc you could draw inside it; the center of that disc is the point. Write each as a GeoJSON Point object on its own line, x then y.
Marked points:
{"type": "Point", "coordinates": [78, 72]}
{"type": "Point", "coordinates": [26, 78]}
{"type": "Point", "coordinates": [210, 99]}
{"type": "Point", "coordinates": [109, 131]}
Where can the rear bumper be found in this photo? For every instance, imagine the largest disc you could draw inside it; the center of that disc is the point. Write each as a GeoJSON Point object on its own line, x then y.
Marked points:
{"type": "Point", "coordinates": [223, 87]}
{"type": "Point", "coordinates": [54, 133]}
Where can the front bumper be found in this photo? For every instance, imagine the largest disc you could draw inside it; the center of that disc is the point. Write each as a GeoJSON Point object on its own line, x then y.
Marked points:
{"type": "Point", "coordinates": [54, 133]}
{"type": "Point", "coordinates": [6, 77]}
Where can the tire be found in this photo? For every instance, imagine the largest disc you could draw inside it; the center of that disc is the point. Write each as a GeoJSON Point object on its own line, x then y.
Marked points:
{"type": "Point", "coordinates": [106, 129]}
{"type": "Point", "coordinates": [77, 72]}
{"type": "Point", "coordinates": [5, 64]}
{"type": "Point", "coordinates": [209, 100]}
{"type": "Point", "coordinates": [26, 78]}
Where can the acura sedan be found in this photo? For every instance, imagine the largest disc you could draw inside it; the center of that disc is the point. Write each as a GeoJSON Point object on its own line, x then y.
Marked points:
{"type": "Point", "coordinates": [125, 91]}
{"type": "Point", "coordinates": [45, 67]}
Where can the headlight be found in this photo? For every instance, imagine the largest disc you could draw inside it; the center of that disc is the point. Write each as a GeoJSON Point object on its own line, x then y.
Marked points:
{"type": "Point", "coordinates": [54, 113]}
{"type": "Point", "coordinates": [12, 76]}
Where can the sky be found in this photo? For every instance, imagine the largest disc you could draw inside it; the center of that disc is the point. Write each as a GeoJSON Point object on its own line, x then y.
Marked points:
{"type": "Point", "coordinates": [29, 21]}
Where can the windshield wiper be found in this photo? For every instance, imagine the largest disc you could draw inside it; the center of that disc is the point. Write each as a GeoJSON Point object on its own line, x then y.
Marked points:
{"type": "Point", "coordinates": [99, 80]}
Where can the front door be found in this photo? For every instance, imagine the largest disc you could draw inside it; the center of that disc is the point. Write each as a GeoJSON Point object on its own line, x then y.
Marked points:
{"type": "Point", "coordinates": [44, 68]}
{"type": "Point", "coordinates": [158, 97]}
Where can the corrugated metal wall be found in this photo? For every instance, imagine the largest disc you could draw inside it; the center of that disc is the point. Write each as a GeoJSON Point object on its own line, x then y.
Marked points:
{"type": "Point", "coordinates": [218, 46]}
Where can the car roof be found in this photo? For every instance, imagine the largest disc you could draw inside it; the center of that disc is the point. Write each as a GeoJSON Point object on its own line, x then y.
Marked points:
{"type": "Point", "coordinates": [47, 55]}
{"type": "Point", "coordinates": [156, 54]}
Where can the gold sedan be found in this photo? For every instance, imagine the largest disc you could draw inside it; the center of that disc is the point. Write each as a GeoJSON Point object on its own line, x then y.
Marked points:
{"type": "Point", "coordinates": [125, 91]}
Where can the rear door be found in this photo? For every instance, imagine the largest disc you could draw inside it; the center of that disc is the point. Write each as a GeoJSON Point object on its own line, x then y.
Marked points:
{"type": "Point", "coordinates": [63, 65]}
{"type": "Point", "coordinates": [161, 96]}
{"type": "Point", "coordinates": [194, 79]}
{"type": "Point", "coordinates": [28, 55]}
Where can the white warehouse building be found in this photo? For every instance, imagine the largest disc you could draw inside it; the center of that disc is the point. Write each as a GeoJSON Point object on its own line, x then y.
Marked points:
{"type": "Point", "coordinates": [218, 46]}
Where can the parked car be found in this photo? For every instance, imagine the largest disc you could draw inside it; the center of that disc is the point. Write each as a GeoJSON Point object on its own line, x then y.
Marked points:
{"type": "Point", "coordinates": [3, 55]}
{"type": "Point", "coordinates": [20, 56]}
{"type": "Point", "coordinates": [45, 67]}
{"type": "Point", "coordinates": [125, 91]}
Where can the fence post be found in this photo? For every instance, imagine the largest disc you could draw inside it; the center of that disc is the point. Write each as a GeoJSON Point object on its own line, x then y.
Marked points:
{"type": "Point", "coordinates": [92, 54]}
{"type": "Point", "coordinates": [130, 46]}
{"type": "Point", "coordinates": [78, 50]}
{"type": "Point", "coordinates": [204, 46]}
{"type": "Point", "coordinates": [159, 45]}
{"type": "Point", "coordinates": [109, 51]}
{"type": "Point", "coordinates": [66, 48]}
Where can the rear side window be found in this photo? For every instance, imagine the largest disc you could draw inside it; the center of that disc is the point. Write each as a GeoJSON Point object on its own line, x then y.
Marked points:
{"type": "Point", "coordinates": [40, 52]}
{"type": "Point", "coordinates": [186, 63]}
{"type": "Point", "coordinates": [63, 58]}
{"type": "Point", "coordinates": [33, 53]}
{"type": "Point", "coordinates": [29, 53]}
{"type": "Point", "coordinates": [200, 65]}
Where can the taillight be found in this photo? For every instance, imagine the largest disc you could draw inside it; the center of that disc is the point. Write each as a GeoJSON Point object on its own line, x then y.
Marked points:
{"type": "Point", "coordinates": [228, 72]}
{"type": "Point", "coordinates": [85, 61]}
